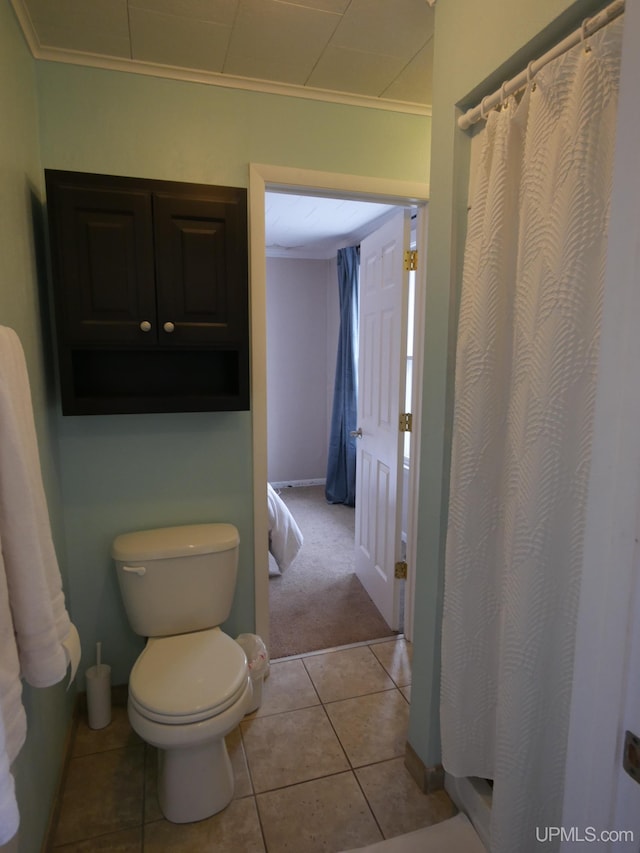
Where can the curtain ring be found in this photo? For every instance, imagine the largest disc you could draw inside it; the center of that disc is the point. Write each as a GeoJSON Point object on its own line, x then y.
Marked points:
{"type": "Point", "coordinates": [483, 114]}
{"type": "Point", "coordinates": [503, 93]}
{"type": "Point", "coordinates": [583, 35]}
{"type": "Point", "coordinates": [530, 74]}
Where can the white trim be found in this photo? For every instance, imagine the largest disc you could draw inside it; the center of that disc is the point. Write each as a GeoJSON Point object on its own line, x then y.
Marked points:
{"type": "Point", "coordinates": [26, 25]}
{"type": "Point", "coordinates": [294, 484]}
{"type": "Point", "coordinates": [339, 185]}
{"type": "Point", "coordinates": [261, 178]}
{"type": "Point", "coordinates": [392, 638]}
{"type": "Point", "coordinates": [258, 305]}
{"type": "Point", "coordinates": [208, 78]}
{"type": "Point", "coordinates": [419, 320]}
{"type": "Point", "coordinates": [227, 81]}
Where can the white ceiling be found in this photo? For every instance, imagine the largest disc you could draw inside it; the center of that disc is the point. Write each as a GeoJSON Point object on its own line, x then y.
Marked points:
{"type": "Point", "coordinates": [366, 51]}
{"type": "Point", "coordinates": [299, 226]}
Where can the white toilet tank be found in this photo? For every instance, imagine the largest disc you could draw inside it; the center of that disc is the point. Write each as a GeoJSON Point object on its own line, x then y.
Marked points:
{"type": "Point", "coordinates": [177, 579]}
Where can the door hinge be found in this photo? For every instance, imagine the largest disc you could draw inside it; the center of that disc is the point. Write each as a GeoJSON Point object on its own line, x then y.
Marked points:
{"type": "Point", "coordinates": [411, 259]}
{"type": "Point", "coordinates": [401, 570]}
{"type": "Point", "coordinates": [631, 757]}
{"type": "Point", "coordinates": [406, 421]}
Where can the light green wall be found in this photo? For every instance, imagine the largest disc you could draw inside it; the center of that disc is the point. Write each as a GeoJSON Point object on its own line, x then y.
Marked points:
{"type": "Point", "coordinates": [119, 123]}
{"type": "Point", "coordinates": [22, 281]}
{"type": "Point", "coordinates": [477, 47]}
{"type": "Point", "coordinates": [125, 472]}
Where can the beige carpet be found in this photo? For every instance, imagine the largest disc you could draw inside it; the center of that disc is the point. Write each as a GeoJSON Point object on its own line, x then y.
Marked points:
{"type": "Point", "coordinates": [318, 602]}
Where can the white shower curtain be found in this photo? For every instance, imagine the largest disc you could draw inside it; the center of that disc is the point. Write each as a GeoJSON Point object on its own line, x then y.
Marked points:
{"type": "Point", "coordinates": [526, 375]}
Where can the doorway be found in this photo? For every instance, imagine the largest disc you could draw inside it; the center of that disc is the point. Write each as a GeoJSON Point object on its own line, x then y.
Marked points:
{"type": "Point", "coordinates": [319, 599]}
{"type": "Point", "coordinates": [263, 178]}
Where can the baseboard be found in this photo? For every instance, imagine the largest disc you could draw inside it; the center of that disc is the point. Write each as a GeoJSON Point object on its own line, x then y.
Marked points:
{"type": "Point", "coordinates": [428, 779]}
{"type": "Point", "coordinates": [286, 484]}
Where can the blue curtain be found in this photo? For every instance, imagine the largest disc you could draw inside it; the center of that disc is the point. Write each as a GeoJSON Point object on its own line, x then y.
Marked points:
{"type": "Point", "coordinates": [341, 464]}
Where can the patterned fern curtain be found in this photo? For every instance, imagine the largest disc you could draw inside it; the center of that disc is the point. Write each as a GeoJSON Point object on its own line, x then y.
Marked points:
{"type": "Point", "coordinates": [526, 371]}
{"type": "Point", "coordinates": [341, 463]}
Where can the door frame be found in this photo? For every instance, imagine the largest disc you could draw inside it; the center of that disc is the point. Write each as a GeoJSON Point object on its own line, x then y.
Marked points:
{"type": "Point", "coordinates": [263, 177]}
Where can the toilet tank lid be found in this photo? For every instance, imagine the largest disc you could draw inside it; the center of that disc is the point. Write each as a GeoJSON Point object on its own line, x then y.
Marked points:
{"type": "Point", "coordinates": [166, 542]}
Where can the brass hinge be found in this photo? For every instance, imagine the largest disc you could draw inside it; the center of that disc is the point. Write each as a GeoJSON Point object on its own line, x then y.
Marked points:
{"type": "Point", "coordinates": [401, 570]}
{"type": "Point", "coordinates": [406, 421]}
{"type": "Point", "coordinates": [411, 259]}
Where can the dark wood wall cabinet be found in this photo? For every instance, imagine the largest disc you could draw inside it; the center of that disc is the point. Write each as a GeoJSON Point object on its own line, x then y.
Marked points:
{"type": "Point", "coordinates": [151, 294]}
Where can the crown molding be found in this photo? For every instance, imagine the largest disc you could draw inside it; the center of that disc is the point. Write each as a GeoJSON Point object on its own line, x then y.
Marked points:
{"type": "Point", "coordinates": [226, 81]}
{"type": "Point", "coordinates": [208, 78]}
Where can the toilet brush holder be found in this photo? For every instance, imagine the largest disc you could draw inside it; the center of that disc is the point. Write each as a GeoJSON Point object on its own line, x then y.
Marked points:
{"type": "Point", "coordinates": [98, 694]}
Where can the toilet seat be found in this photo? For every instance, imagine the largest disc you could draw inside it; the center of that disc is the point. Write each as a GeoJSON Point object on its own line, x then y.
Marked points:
{"type": "Point", "coordinates": [188, 677]}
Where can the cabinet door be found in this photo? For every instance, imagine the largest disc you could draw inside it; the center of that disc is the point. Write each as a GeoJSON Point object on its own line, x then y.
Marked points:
{"type": "Point", "coordinates": [104, 259]}
{"type": "Point", "coordinates": [201, 267]}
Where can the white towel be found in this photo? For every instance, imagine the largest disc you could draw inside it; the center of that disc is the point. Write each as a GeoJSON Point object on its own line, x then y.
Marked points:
{"type": "Point", "coordinates": [40, 619]}
{"type": "Point", "coordinates": [12, 716]}
{"type": "Point", "coordinates": [9, 817]}
{"type": "Point", "coordinates": [34, 623]}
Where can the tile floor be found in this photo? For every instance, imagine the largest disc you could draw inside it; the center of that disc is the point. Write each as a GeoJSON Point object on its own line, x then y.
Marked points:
{"type": "Point", "coordinates": [319, 767]}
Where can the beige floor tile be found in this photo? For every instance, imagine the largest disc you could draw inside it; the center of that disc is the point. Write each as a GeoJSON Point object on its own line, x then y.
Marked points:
{"type": "Point", "coordinates": [117, 735]}
{"type": "Point", "coordinates": [321, 816]}
{"type": "Point", "coordinates": [397, 803]}
{"type": "Point", "coordinates": [293, 747]}
{"type": "Point", "coordinates": [125, 841]}
{"type": "Point", "coordinates": [287, 688]}
{"type": "Point", "coordinates": [347, 673]}
{"type": "Point", "coordinates": [235, 748]}
{"type": "Point", "coordinates": [371, 728]}
{"type": "Point", "coordinates": [152, 810]}
{"type": "Point", "coordinates": [103, 793]}
{"type": "Point", "coordinates": [236, 829]}
{"type": "Point", "coordinates": [406, 692]}
{"type": "Point", "coordinates": [395, 657]}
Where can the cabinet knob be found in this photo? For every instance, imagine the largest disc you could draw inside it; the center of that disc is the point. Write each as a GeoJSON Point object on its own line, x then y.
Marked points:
{"type": "Point", "coordinates": [168, 327]}
{"type": "Point", "coordinates": [145, 326]}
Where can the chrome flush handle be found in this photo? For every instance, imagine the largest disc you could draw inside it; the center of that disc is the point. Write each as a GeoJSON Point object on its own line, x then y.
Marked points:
{"type": "Point", "coordinates": [135, 570]}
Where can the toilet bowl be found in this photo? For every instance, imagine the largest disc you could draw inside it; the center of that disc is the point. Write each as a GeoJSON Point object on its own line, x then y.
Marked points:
{"type": "Point", "coordinates": [186, 693]}
{"type": "Point", "coordinates": [191, 685]}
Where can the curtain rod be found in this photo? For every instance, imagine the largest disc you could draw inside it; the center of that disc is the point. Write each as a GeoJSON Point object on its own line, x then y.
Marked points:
{"type": "Point", "coordinates": [588, 28]}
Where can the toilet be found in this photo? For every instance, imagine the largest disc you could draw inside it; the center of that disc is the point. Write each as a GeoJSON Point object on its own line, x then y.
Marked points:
{"type": "Point", "coordinates": [191, 685]}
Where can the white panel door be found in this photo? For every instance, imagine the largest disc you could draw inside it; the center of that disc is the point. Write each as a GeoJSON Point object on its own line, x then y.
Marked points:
{"type": "Point", "coordinates": [381, 389]}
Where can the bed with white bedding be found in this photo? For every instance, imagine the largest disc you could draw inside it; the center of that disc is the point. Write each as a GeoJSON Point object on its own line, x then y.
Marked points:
{"type": "Point", "coordinates": [285, 538]}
